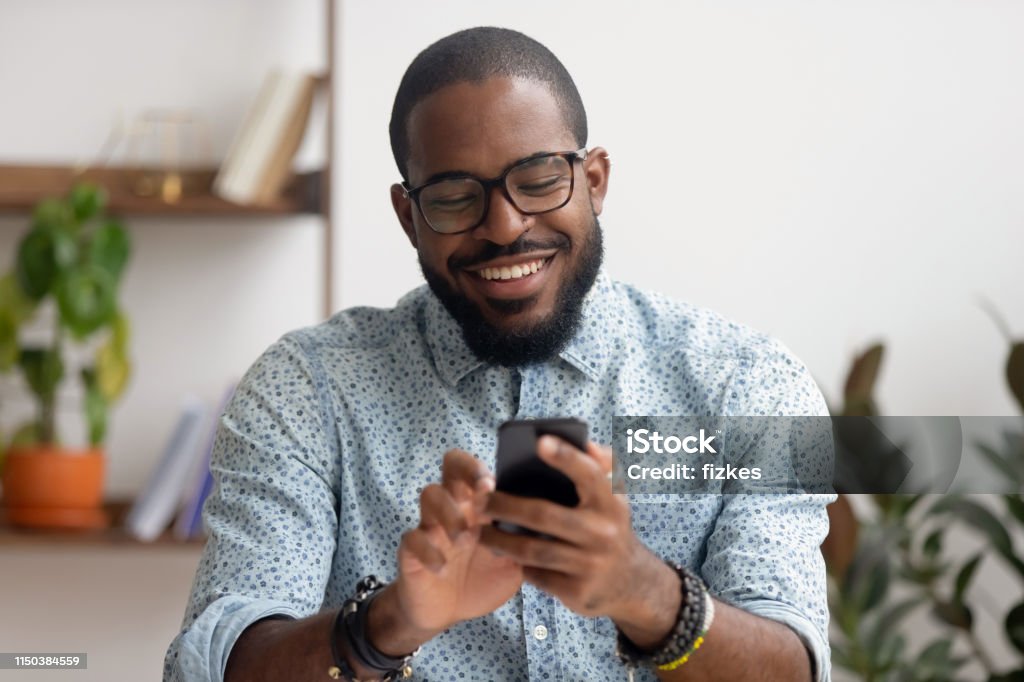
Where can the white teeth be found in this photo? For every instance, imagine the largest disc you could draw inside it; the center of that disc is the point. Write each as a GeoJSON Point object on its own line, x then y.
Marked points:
{"type": "Point", "coordinates": [512, 272]}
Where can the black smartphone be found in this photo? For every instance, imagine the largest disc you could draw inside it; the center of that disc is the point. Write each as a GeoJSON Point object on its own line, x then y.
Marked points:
{"type": "Point", "coordinates": [519, 471]}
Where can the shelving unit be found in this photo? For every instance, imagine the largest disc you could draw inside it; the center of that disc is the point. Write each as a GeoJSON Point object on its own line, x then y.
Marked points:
{"type": "Point", "coordinates": [114, 536]}
{"type": "Point", "coordinates": [22, 186]}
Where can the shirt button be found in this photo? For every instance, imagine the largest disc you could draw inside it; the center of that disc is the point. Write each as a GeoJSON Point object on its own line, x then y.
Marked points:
{"type": "Point", "coordinates": [540, 632]}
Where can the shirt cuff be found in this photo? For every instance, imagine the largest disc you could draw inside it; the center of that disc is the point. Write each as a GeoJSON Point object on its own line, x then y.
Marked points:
{"type": "Point", "coordinates": [204, 648]}
{"type": "Point", "coordinates": [816, 645]}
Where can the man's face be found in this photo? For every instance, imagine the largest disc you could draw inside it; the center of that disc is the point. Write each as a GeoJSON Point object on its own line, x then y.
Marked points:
{"type": "Point", "coordinates": [481, 129]}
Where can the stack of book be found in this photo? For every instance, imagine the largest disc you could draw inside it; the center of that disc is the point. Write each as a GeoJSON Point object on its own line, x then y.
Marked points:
{"type": "Point", "coordinates": [181, 482]}
{"type": "Point", "coordinates": [259, 161]}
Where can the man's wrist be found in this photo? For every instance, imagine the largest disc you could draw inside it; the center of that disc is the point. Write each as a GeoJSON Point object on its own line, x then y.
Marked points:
{"type": "Point", "coordinates": [389, 629]}
{"type": "Point", "coordinates": [649, 615]}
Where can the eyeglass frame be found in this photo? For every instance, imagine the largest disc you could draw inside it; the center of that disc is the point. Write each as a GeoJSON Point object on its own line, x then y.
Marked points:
{"type": "Point", "coordinates": [488, 185]}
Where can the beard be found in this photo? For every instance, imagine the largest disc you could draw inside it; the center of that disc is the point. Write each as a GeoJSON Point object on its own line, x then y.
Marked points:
{"type": "Point", "coordinates": [525, 343]}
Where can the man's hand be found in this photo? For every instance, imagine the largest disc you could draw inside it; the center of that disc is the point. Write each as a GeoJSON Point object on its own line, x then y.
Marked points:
{"type": "Point", "coordinates": [444, 575]}
{"type": "Point", "coordinates": [595, 564]}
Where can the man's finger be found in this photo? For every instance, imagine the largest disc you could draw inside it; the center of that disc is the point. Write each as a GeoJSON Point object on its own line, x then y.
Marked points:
{"type": "Point", "coordinates": [533, 551]}
{"type": "Point", "coordinates": [461, 472]}
{"type": "Point", "coordinates": [581, 467]}
{"type": "Point", "coordinates": [416, 549]}
{"type": "Point", "coordinates": [438, 508]}
{"type": "Point", "coordinates": [550, 518]}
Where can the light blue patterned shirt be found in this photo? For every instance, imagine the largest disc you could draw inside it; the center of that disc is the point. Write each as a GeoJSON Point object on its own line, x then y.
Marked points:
{"type": "Point", "coordinates": [334, 431]}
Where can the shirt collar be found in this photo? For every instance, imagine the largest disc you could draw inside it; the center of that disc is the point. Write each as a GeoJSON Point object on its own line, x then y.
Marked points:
{"type": "Point", "coordinates": [588, 351]}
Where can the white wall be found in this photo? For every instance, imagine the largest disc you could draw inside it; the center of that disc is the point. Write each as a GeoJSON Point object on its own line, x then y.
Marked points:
{"type": "Point", "coordinates": [205, 295]}
{"type": "Point", "coordinates": [832, 173]}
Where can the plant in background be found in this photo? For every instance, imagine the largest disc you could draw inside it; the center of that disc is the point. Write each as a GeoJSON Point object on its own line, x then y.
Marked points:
{"type": "Point", "coordinates": [883, 570]}
{"type": "Point", "coordinates": [72, 258]}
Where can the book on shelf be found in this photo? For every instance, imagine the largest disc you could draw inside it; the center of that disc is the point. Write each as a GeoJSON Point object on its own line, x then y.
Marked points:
{"type": "Point", "coordinates": [154, 509]}
{"type": "Point", "coordinates": [189, 522]}
{"type": "Point", "coordinates": [259, 161]}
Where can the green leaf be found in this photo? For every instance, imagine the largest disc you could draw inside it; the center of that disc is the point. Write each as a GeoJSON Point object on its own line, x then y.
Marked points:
{"type": "Point", "coordinates": [999, 462]}
{"type": "Point", "coordinates": [36, 268]}
{"type": "Point", "coordinates": [1012, 676]}
{"type": "Point", "coordinates": [934, 659]}
{"type": "Point", "coordinates": [86, 299]}
{"type": "Point", "coordinates": [13, 300]}
{"type": "Point", "coordinates": [963, 577]}
{"type": "Point", "coordinates": [87, 200]}
{"type": "Point", "coordinates": [120, 332]}
{"type": "Point", "coordinates": [96, 415]}
{"type": "Point", "coordinates": [43, 369]}
{"type": "Point", "coordinates": [933, 543]}
{"type": "Point", "coordinates": [1015, 372]}
{"type": "Point", "coordinates": [53, 215]}
{"type": "Point", "coordinates": [9, 350]}
{"type": "Point", "coordinates": [889, 619]}
{"type": "Point", "coordinates": [1015, 505]}
{"type": "Point", "coordinates": [979, 517]}
{"type": "Point", "coordinates": [112, 370]}
{"type": "Point", "coordinates": [109, 247]}
{"type": "Point", "coordinates": [954, 613]}
{"type": "Point", "coordinates": [1014, 626]}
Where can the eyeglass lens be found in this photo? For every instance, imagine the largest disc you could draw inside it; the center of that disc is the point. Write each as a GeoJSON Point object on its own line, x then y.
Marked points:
{"type": "Point", "coordinates": [534, 186]}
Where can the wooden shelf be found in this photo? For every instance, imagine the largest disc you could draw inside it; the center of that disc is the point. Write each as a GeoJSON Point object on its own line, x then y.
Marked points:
{"type": "Point", "coordinates": [23, 186]}
{"type": "Point", "coordinates": [113, 537]}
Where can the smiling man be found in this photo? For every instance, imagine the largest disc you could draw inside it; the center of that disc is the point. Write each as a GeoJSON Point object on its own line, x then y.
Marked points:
{"type": "Point", "coordinates": [364, 447]}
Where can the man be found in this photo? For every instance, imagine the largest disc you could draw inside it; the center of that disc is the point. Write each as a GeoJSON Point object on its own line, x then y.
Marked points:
{"type": "Point", "coordinates": [365, 445]}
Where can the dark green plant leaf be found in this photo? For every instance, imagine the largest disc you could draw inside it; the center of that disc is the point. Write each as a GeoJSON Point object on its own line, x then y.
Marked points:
{"type": "Point", "coordinates": [1012, 676]}
{"type": "Point", "coordinates": [43, 369]}
{"type": "Point", "coordinates": [1014, 626]}
{"type": "Point", "coordinates": [96, 415]}
{"type": "Point", "coordinates": [979, 517]}
{"type": "Point", "coordinates": [36, 267]}
{"type": "Point", "coordinates": [13, 300]}
{"type": "Point", "coordinates": [1015, 372]}
{"type": "Point", "coordinates": [934, 660]}
{"type": "Point", "coordinates": [109, 247]}
{"type": "Point", "coordinates": [86, 298]}
{"type": "Point", "coordinates": [87, 200]}
{"type": "Point", "coordinates": [999, 462]}
{"type": "Point", "coordinates": [933, 543]}
{"type": "Point", "coordinates": [1015, 504]}
{"type": "Point", "coordinates": [963, 577]}
{"type": "Point", "coordinates": [954, 613]}
{"type": "Point", "coordinates": [889, 619]}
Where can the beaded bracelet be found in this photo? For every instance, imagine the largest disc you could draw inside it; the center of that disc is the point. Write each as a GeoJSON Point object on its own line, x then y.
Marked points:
{"type": "Point", "coordinates": [351, 625]}
{"type": "Point", "coordinates": [696, 610]}
{"type": "Point", "coordinates": [709, 615]}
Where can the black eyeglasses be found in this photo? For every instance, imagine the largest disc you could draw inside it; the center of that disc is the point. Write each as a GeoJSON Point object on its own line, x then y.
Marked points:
{"type": "Point", "coordinates": [535, 185]}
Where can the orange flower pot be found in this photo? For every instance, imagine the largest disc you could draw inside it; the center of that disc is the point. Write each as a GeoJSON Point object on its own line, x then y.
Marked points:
{"type": "Point", "coordinates": [47, 486]}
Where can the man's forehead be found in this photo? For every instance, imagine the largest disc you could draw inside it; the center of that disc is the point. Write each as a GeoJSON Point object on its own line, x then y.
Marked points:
{"type": "Point", "coordinates": [482, 126]}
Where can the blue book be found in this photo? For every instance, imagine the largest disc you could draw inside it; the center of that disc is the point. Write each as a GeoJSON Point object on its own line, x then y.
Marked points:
{"type": "Point", "coordinates": [189, 523]}
{"type": "Point", "coordinates": [154, 509]}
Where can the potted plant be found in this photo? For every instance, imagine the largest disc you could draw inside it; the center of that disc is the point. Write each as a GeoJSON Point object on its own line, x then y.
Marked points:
{"type": "Point", "coordinates": [63, 288]}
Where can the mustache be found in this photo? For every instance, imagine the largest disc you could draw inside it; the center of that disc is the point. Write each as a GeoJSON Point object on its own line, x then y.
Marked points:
{"type": "Point", "coordinates": [490, 250]}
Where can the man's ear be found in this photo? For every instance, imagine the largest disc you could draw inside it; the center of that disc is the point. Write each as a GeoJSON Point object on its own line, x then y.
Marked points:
{"type": "Point", "coordinates": [403, 209]}
{"type": "Point", "coordinates": [596, 170]}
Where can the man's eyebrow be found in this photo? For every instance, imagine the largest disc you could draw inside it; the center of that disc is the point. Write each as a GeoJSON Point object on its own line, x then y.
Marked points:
{"type": "Point", "coordinates": [451, 174]}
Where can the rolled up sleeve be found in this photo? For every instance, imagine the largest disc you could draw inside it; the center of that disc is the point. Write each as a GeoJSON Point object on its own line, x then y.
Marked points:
{"type": "Point", "coordinates": [272, 515]}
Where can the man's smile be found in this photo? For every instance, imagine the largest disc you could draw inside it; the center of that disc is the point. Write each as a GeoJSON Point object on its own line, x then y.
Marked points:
{"type": "Point", "coordinates": [511, 277]}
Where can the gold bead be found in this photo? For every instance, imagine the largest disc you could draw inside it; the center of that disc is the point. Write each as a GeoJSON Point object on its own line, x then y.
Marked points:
{"type": "Point", "coordinates": [335, 672]}
{"type": "Point", "coordinates": [407, 672]}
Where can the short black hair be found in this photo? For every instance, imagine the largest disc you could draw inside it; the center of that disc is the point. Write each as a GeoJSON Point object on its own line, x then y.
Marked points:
{"type": "Point", "coordinates": [474, 55]}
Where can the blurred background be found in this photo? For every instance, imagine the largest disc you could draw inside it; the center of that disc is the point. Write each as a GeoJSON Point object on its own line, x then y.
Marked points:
{"type": "Point", "coordinates": [834, 174]}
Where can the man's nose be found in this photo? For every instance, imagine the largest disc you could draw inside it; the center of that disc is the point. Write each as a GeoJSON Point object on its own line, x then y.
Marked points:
{"type": "Point", "coordinates": [504, 223]}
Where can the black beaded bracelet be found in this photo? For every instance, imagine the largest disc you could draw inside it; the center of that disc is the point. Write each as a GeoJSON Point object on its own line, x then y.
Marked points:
{"type": "Point", "coordinates": [684, 637]}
